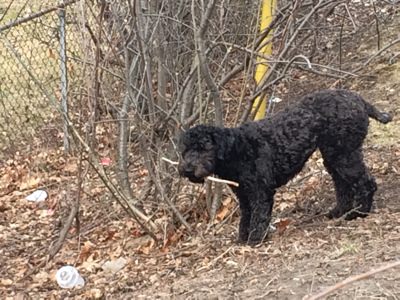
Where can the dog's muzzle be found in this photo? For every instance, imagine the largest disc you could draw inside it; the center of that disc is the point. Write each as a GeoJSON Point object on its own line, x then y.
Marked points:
{"type": "Point", "coordinates": [194, 174]}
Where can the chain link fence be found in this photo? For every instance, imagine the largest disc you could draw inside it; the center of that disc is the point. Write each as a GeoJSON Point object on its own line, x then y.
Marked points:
{"type": "Point", "coordinates": [36, 41]}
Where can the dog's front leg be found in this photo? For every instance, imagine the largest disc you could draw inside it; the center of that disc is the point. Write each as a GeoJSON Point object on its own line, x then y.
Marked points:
{"type": "Point", "coordinates": [245, 217]}
{"type": "Point", "coordinates": [261, 209]}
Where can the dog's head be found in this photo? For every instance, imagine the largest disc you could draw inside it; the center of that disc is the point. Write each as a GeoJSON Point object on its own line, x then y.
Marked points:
{"type": "Point", "coordinates": [198, 148]}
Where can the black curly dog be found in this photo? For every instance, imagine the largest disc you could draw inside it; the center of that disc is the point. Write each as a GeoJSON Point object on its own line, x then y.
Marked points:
{"type": "Point", "coordinates": [263, 155]}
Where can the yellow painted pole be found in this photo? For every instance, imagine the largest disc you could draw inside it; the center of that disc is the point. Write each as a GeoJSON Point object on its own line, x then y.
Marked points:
{"type": "Point", "coordinates": [267, 10]}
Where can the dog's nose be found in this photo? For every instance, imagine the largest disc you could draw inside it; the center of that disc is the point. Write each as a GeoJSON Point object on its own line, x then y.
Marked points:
{"type": "Point", "coordinates": [185, 170]}
{"type": "Point", "coordinates": [189, 174]}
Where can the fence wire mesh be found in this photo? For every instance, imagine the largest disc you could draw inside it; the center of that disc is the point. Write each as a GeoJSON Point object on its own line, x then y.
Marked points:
{"type": "Point", "coordinates": [32, 67]}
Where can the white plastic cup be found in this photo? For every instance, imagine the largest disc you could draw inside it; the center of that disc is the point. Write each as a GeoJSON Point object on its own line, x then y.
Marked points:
{"type": "Point", "coordinates": [68, 277]}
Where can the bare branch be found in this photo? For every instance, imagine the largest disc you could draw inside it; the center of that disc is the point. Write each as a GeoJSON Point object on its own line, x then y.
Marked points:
{"type": "Point", "coordinates": [199, 36]}
{"type": "Point", "coordinates": [353, 279]}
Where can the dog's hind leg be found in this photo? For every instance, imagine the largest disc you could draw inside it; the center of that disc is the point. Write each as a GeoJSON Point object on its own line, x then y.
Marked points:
{"type": "Point", "coordinates": [354, 185]}
{"type": "Point", "coordinates": [364, 190]}
{"type": "Point", "coordinates": [344, 195]}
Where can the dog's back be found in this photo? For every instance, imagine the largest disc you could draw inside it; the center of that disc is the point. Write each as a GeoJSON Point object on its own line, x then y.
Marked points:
{"type": "Point", "coordinates": [341, 102]}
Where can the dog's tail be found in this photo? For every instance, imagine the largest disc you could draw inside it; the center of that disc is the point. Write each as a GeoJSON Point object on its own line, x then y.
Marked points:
{"type": "Point", "coordinates": [374, 113]}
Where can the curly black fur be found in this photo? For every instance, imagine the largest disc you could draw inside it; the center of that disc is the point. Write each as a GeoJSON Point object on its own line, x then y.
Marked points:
{"type": "Point", "coordinates": [263, 155]}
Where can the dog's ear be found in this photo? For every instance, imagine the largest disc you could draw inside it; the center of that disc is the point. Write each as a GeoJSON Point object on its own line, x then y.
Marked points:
{"type": "Point", "coordinates": [224, 141]}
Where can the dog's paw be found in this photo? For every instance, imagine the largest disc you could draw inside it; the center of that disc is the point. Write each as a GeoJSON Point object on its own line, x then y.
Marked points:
{"type": "Point", "coordinates": [334, 213]}
{"type": "Point", "coordinates": [248, 242]}
{"type": "Point", "coordinates": [254, 243]}
{"type": "Point", "coordinates": [241, 240]}
{"type": "Point", "coordinates": [352, 215]}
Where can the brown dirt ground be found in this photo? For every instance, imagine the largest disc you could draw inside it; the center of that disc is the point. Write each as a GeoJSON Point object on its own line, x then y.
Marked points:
{"type": "Point", "coordinates": [300, 258]}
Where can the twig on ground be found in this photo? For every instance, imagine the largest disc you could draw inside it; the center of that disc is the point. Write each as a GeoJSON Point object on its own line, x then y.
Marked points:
{"type": "Point", "coordinates": [211, 178]}
{"type": "Point", "coordinates": [215, 260]}
{"type": "Point", "coordinates": [64, 231]}
{"type": "Point", "coordinates": [352, 279]}
{"type": "Point", "coordinates": [73, 214]}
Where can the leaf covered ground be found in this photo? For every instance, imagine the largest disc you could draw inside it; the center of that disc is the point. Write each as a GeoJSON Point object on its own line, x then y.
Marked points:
{"type": "Point", "coordinates": [306, 253]}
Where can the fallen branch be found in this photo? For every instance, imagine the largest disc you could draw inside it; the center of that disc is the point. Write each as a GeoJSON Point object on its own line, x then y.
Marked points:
{"type": "Point", "coordinates": [211, 178]}
{"type": "Point", "coordinates": [352, 279]}
{"type": "Point", "coordinates": [73, 215]}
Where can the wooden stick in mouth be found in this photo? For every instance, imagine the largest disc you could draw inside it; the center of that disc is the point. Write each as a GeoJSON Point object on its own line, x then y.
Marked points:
{"type": "Point", "coordinates": [211, 178]}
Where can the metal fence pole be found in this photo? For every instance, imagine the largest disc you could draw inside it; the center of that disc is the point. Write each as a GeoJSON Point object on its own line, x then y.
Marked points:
{"type": "Point", "coordinates": [64, 77]}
